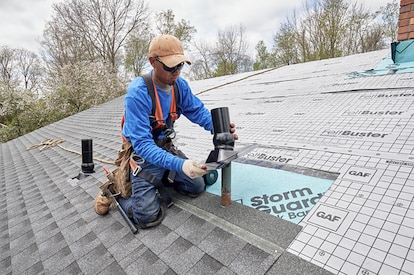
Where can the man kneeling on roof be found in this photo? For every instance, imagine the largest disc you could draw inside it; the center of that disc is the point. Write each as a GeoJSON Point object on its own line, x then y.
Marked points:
{"type": "Point", "coordinates": [152, 104]}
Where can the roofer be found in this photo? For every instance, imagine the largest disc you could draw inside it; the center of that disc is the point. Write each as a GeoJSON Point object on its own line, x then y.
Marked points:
{"type": "Point", "coordinates": [151, 134]}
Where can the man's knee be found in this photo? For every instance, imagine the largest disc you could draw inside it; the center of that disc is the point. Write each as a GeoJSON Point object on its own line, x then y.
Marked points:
{"type": "Point", "coordinates": [145, 209]}
{"type": "Point", "coordinates": [198, 186]}
{"type": "Point", "coordinates": [145, 218]}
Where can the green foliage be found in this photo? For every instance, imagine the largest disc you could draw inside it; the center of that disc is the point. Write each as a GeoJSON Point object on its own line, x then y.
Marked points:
{"type": "Point", "coordinates": [136, 56]}
{"type": "Point", "coordinates": [82, 86]}
{"type": "Point", "coordinates": [287, 51]}
{"type": "Point", "coordinates": [263, 57]}
{"type": "Point", "coordinates": [225, 68]}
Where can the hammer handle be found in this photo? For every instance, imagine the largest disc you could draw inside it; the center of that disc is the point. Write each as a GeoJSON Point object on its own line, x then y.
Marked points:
{"type": "Point", "coordinates": [123, 214]}
{"type": "Point", "coordinates": [127, 220]}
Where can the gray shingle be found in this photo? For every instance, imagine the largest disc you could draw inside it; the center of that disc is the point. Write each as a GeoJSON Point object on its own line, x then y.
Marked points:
{"type": "Point", "coordinates": [206, 265]}
{"type": "Point", "coordinates": [159, 238]}
{"type": "Point", "coordinates": [181, 255]}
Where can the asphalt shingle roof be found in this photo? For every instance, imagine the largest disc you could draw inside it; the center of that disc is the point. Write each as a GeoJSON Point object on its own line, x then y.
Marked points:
{"type": "Point", "coordinates": [48, 225]}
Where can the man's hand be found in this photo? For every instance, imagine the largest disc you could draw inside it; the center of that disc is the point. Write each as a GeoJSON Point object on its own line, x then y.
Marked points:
{"type": "Point", "coordinates": [233, 131]}
{"type": "Point", "coordinates": [194, 170]}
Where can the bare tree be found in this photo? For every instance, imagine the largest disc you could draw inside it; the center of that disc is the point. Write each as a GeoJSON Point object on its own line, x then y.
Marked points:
{"type": "Point", "coordinates": [6, 66]}
{"type": "Point", "coordinates": [332, 28]}
{"type": "Point", "coordinates": [20, 70]}
{"type": "Point", "coordinates": [357, 27]}
{"type": "Point", "coordinates": [202, 64]}
{"type": "Point", "coordinates": [84, 49]}
{"type": "Point", "coordinates": [372, 39]}
{"type": "Point", "coordinates": [136, 48]}
{"type": "Point", "coordinates": [389, 15]}
{"type": "Point", "coordinates": [30, 70]}
{"type": "Point", "coordinates": [230, 53]}
{"type": "Point", "coordinates": [228, 56]}
{"type": "Point", "coordinates": [20, 80]}
{"type": "Point", "coordinates": [92, 29]}
{"type": "Point", "coordinates": [165, 24]}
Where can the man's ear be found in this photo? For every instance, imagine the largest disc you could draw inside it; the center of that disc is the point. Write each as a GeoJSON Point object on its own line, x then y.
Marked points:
{"type": "Point", "coordinates": [152, 60]}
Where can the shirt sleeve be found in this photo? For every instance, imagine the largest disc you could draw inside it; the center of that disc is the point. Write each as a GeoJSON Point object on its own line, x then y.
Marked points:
{"type": "Point", "coordinates": [137, 128]}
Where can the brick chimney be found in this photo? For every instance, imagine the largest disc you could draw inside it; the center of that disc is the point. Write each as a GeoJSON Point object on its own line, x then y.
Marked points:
{"type": "Point", "coordinates": [402, 51]}
{"type": "Point", "coordinates": [406, 20]}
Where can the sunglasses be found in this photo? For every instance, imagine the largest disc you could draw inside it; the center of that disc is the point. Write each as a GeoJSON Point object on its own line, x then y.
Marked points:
{"type": "Point", "coordinates": [168, 69]}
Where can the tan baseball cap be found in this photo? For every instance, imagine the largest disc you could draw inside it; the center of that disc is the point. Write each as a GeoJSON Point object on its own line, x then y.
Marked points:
{"type": "Point", "coordinates": [169, 50]}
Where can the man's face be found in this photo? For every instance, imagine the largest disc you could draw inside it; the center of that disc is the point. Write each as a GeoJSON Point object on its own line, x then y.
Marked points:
{"type": "Point", "coordinates": [164, 74]}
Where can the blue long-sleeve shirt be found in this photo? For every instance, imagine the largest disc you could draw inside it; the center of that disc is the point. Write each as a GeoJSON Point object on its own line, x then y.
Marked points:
{"type": "Point", "coordinates": [137, 128]}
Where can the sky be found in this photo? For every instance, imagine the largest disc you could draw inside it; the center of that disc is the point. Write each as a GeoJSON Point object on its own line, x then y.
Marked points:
{"type": "Point", "coordinates": [22, 22]}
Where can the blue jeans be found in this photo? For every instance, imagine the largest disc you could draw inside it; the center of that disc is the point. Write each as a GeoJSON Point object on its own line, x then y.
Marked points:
{"type": "Point", "coordinates": [144, 203]}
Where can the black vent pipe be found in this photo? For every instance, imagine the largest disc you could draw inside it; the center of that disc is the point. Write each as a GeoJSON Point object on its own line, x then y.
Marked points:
{"type": "Point", "coordinates": [87, 156]}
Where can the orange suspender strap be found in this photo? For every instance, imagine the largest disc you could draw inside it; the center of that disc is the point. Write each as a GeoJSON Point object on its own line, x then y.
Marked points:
{"type": "Point", "coordinates": [175, 102]}
{"type": "Point", "coordinates": [173, 107]}
{"type": "Point", "coordinates": [158, 110]}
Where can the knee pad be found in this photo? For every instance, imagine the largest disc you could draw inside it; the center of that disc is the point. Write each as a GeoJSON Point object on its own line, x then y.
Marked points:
{"type": "Point", "coordinates": [160, 217]}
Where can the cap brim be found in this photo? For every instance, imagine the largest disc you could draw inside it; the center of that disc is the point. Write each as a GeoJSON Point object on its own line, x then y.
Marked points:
{"type": "Point", "coordinates": [173, 60]}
